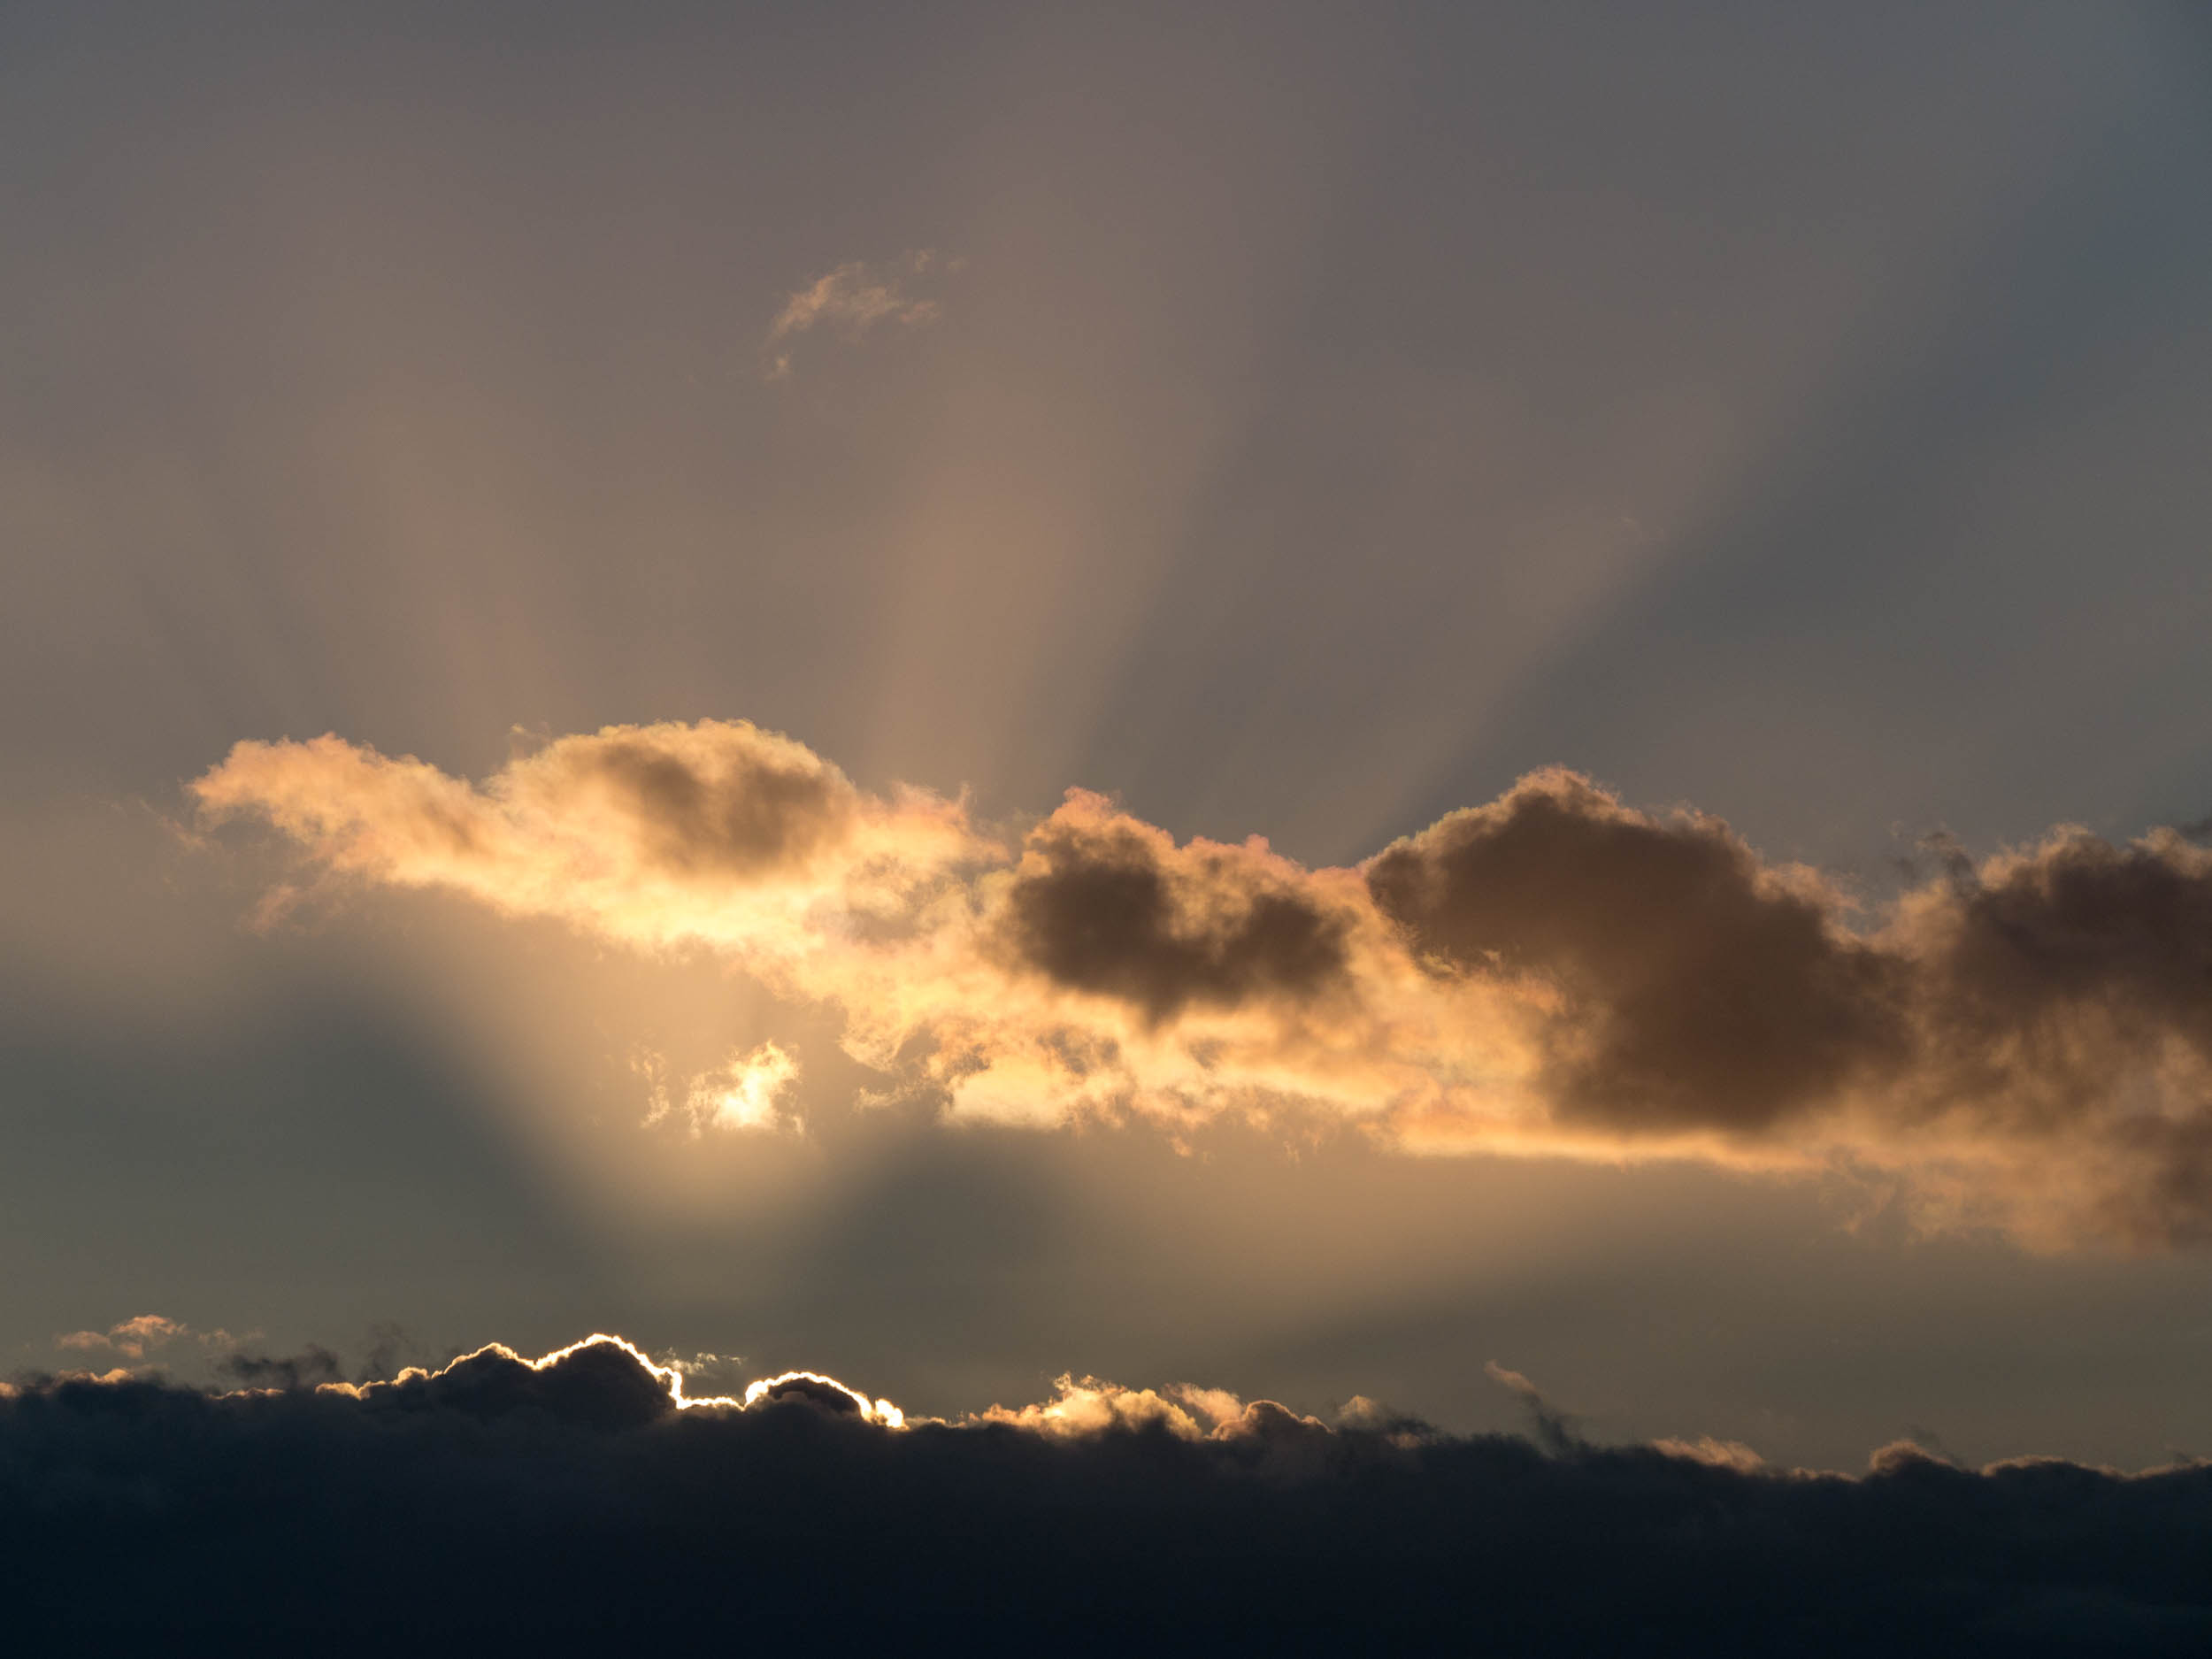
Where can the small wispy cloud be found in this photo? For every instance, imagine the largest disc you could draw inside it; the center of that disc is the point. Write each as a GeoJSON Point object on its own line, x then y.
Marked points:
{"type": "Point", "coordinates": [1506, 1377]}
{"type": "Point", "coordinates": [854, 299]}
{"type": "Point", "coordinates": [699, 1364]}
{"type": "Point", "coordinates": [1556, 1431]}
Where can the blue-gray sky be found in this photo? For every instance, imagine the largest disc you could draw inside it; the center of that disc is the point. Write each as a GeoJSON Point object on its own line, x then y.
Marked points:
{"type": "Point", "coordinates": [1293, 421]}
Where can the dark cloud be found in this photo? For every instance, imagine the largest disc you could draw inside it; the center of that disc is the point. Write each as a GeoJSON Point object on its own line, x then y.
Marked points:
{"type": "Point", "coordinates": [2066, 994]}
{"type": "Point", "coordinates": [1701, 990]}
{"type": "Point", "coordinates": [815, 1394]}
{"type": "Point", "coordinates": [744, 806]}
{"type": "Point", "coordinates": [308, 1369]}
{"type": "Point", "coordinates": [597, 1385]}
{"type": "Point", "coordinates": [388, 1340]}
{"type": "Point", "coordinates": [1110, 906]}
{"type": "Point", "coordinates": [505, 1499]}
{"type": "Point", "coordinates": [2080, 937]}
{"type": "Point", "coordinates": [2045, 1013]}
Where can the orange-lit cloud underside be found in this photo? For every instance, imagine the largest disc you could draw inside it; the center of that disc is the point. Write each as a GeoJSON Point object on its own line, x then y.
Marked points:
{"type": "Point", "coordinates": [2028, 1039]}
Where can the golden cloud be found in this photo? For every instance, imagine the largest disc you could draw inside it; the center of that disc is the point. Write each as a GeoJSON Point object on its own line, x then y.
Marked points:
{"type": "Point", "coordinates": [2025, 1042]}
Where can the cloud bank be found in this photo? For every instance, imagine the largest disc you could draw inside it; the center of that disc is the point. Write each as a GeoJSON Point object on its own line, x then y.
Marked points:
{"type": "Point", "coordinates": [2023, 1042]}
{"type": "Point", "coordinates": [579, 1492]}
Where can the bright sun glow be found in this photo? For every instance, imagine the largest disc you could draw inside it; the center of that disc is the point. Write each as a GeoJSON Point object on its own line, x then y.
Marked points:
{"type": "Point", "coordinates": [751, 1093]}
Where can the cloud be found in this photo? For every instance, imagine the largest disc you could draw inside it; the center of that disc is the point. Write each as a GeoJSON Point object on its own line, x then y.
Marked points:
{"type": "Point", "coordinates": [748, 1092]}
{"type": "Point", "coordinates": [1079, 1409]}
{"type": "Point", "coordinates": [1721, 1454]}
{"type": "Point", "coordinates": [581, 1490]}
{"type": "Point", "coordinates": [717, 834]}
{"type": "Point", "coordinates": [132, 1338]}
{"type": "Point", "coordinates": [308, 1369]}
{"type": "Point", "coordinates": [2024, 1041]}
{"type": "Point", "coordinates": [1703, 989]}
{"type": "Point", "coordinates": [135, 1336]}
{"type": "Point", "coordinates": [852, 301]}
{"type": "Point", "coordinates": [1510, 1380]}
{"type": "Point", "coordinates": [1106, 905]}
{"type": "Point", "coordinates": [704, 1375]}
{"type": "Point", "coordinates": [1555, 1430]}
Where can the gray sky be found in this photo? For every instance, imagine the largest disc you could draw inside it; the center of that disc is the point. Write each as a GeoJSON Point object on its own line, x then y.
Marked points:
{"type": "Point", "coordinates": [1293, 421]}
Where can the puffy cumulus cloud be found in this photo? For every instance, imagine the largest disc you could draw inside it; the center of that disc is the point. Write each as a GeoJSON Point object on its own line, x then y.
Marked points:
{"type": "Point", "coordinates": [2024, 1041]}
{"type": "Point", "coordinates": [1699, 988]}
{"type": "Point", "coordinates": [2029, 1038]}
{"type": "Point", "coordinates": [853, 300]}
{"type": "Point", "coordinates": [717, 834]}
{"type": "Point", "coordinates": [2063, 1000]}
{"type": "Point", "coordinates": [534, 1498]}
{"type": "Point", "coordinates": [1106, 905]}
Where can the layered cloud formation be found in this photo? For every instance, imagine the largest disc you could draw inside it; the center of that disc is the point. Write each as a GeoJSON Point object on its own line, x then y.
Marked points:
{"type": "Point", "coordinates": [581, 1491]}
{"type": "Point", "coordinates": [2026, 1040]}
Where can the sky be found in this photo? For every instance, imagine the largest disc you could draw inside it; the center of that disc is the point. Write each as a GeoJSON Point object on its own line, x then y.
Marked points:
{"type": "Point", "coordinates": [562, 565]}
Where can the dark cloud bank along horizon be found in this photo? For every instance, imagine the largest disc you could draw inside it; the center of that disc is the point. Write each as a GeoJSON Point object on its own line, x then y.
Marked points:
{"type": "Point", "coordinates": [506, 1500]}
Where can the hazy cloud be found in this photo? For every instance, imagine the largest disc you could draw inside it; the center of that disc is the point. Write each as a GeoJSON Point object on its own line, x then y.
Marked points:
{"type": "Point", "coordinates": [854, 299]}
{"type": "Point", "coordinates": [1508, 1378]}
{"type": "Point", "coordinates": [1554, 1429]}
{"type": "Point", "coordinates": [2027, 1040]}
{"type": "Point", "coordinates": [134, 1338]}
{"type": "Point", "coordinates": [309, 1368]}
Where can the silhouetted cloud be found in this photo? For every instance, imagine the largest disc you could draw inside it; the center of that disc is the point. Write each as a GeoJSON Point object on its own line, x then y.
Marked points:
{"type": "Point", "coordinates": [2027, 1040]}
{"type": "Point", "coordinates": [1555, 1430]}
{"type": "Point", "coordinates": [309, 1368]}
{"type": "Point", "coordinates": [580, 1492]}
